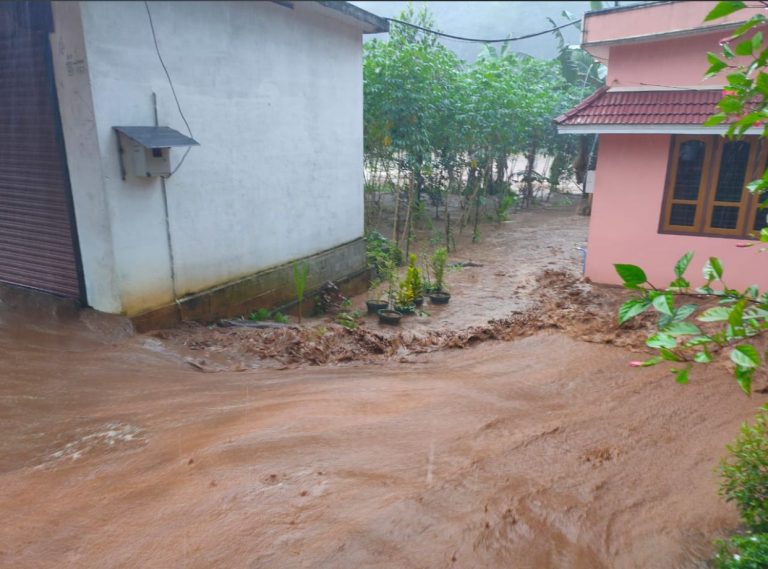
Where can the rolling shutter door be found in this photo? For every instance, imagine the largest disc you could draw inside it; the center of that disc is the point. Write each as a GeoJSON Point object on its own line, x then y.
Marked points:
{"type": "Point", "coordinates": [37, 247]}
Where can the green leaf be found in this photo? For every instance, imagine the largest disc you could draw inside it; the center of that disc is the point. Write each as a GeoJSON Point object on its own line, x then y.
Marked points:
{"type": "Point", "coordinates": [722, 9]}
{"type": "Point", "coordinates": [744, 379]}
{"type": "Point", "coordinates": [661, 340]}
{"type": "Point", "coordinates": [715, 314]}
{"type": "Point", "coordinates": [684, 312]}
{"type": "Point", "coordinates": [713, 269]}
{"type": "Point", "coordinates": [631, 274]}
{"type": "Point", "coordinates": [669, 355]}
{"type": "Point", "coordinates": [682, 329]}
{"type": "Point", "coordinates": [736, 317]}
{"type": "Point", "coordinates": [745, 356]}
{"type": "Point", "coordinates": [715, 64]}
{"type": "Point", "coordinates": [716, 119]}
{"type": "Point", "coordinates": [761, 82]}
{"type": "Point", "coordinates": [698, 341]}
{"type": "Point", "coordinates": [652, 361]}
{"type": "Point", "coordinates": [730, 105]}
{"type": "Point", "coordinates": [664, 303]}
{"type": "Point", "coordinates": [682, 264]}
{"type": "Point", "coordinates": [757, 41]}
{"type": "Point", "coordinates": [681, 376]}
{"type": "Point", "coordinates": [679, 284]}
{"type": "Point", "coordinates": [632, 308]}
{"type": "Point", "coordinates": [743, 48]}
{"type": "Point", "coordinates": [703, 357]}
{"type": "Point", "coordinates": [727, 51]}
{"type": "Point", "coordinates": [755, 20]}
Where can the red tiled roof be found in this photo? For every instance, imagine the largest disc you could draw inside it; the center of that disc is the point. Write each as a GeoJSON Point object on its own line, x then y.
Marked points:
{"type": "Point", "coordinates": [690, 107]}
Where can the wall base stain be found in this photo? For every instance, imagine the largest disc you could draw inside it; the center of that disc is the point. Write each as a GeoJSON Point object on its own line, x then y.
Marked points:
{"type": "Point", "coordinates": [344, 265]}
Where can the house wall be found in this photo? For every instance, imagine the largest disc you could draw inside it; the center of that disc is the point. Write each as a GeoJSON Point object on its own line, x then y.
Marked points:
{"type": "Point", "coordinates": [662, 18]}
{"type": "Point", "coordinates": [273, 95]}
{"type": "Point", "coordinates": [672, 62]}
{"type": "Point", "coordinates": [630, 180]}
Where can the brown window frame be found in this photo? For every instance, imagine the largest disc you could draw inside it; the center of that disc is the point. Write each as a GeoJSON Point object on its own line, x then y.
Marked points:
{"type": "Point", "coordinates": [705, 202]}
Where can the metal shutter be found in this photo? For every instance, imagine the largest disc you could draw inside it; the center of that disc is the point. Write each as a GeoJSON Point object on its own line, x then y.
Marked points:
{"type": "Point", "coordinates": [37, 247]}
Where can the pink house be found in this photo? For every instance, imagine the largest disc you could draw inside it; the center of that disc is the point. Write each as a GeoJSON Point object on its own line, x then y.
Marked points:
{"type": "Point", "coordinates": [665, 184]}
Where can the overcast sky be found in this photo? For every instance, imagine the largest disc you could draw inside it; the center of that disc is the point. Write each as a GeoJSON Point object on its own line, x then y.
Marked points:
{"type": "Point", "coordinates": [493, 20]}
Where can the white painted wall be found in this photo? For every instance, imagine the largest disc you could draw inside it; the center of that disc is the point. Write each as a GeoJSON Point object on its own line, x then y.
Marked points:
{"type": "Point", "coordinates": [70, 68]}
{"type": "Point", "coordinates": [273, 95]}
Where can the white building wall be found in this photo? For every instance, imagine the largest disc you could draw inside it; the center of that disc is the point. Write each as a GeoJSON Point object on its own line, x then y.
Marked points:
{"type": "Point", "coordinates": [70, 67]}
{"type": "Point", "coordinates": [273, 95]}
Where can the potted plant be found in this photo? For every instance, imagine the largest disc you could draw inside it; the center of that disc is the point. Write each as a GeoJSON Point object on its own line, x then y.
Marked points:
{"type": "Point", "coordinates": [414, 280]}
{"type": "Point", "coordinates": [439, 295]}
{"type": "Point", "coordinates": [389, 315]}
{"type": "Point", "coordinates": [374, 303]}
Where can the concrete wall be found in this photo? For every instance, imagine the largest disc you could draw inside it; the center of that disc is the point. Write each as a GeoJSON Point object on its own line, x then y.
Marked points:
{"type": "Point", "coordinates": [630, 178]}
{"type": "Point", "coordinates": [73, 86]}
{"type": "Point", "coordinates": [273, 95]}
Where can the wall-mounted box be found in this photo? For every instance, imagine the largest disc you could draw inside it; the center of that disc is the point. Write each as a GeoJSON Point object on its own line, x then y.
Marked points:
{"type": "Point", "coordinates": [145, 151]}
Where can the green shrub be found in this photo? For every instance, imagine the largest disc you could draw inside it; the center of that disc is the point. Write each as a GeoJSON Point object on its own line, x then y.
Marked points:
{"type": "Point", "coordinates": [349, 319]}
{"type": "Point", "coordinates": [280, 318]}
{"type": "Point", "coordinates": [259, 315]}
{"type": "Point", "coordinates": [745, 473]}
{"type": "Point", "coordinates": [743, 552]}
{"type": "Point", "coordinates": [379, 251]}
{"type": "Point", "coordinates": [439, 260]}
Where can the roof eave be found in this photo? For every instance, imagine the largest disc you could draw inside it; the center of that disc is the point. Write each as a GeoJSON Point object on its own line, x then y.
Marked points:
{"type": "Point", "coordinates": [588, 46]}
{"type": "Point", "coordinates": [647, 129]}
{"type": "Point", "coordinates": [372, 24]}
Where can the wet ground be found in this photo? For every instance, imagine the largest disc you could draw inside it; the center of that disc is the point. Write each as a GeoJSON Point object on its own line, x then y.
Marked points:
{"type": "Point", "coordinates": [526, 442]}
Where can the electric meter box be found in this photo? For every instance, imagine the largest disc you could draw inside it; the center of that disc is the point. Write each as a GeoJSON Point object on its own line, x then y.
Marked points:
{"type": "Point", "coordinates": [145, 151]}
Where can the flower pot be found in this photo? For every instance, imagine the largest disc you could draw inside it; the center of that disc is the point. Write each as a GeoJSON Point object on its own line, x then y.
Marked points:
{"type": "Point", "coordinates": [418, 301]}
{"type": "Point", "coordinates": [389, 317]}
{"type": "Point", "coordinates": [407, 309]}
{"type": "Point", "coordinates": [375, 305]}
{"type": "Point", "coordinates": [439, 297]}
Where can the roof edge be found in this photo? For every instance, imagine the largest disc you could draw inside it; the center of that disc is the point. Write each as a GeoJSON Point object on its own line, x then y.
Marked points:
{"type": "Point", "coordinates": [660, 128]}
{"type": "Point", "coordinates": [661, 36]}
{"type": "Point", "coordinates": [376, 24]}
{"type": "Point", "coordinates": [581, 106]}
{"type": "Point", "coordinates": [627, 8]}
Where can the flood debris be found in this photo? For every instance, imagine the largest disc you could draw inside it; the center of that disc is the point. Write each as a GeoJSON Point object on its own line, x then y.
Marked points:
{"type": "Point", "coordinates": [563, 302]}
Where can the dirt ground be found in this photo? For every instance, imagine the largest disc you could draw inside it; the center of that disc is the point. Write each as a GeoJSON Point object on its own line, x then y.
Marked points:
{"type": "Point", "coordinates": [523, 442]}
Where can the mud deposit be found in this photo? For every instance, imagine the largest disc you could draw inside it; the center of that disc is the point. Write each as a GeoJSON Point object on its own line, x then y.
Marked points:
{"type": "Point", "coordinates": [543, 452]}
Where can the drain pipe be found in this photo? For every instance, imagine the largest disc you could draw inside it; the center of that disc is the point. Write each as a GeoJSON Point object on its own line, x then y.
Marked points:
{"type": "Point", "coordinates": [583, 251]}
{"type": "Point", "coordinates": [167, 224]}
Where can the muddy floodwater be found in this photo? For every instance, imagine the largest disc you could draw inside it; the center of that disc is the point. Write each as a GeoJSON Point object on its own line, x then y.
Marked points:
{"type": "Point", "coordinates": [527, 442]}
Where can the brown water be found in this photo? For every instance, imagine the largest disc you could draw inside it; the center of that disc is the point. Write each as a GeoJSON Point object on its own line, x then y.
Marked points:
{"type": "Point", "coordinates": [542, 452]}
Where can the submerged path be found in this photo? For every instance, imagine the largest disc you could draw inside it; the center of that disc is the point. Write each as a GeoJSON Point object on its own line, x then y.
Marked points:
{"type": "Point", "coordinates": [540, 452]}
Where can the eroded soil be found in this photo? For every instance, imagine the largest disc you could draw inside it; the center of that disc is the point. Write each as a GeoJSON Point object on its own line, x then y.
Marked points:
{"type": "Point", "coordinates": [433, 446]}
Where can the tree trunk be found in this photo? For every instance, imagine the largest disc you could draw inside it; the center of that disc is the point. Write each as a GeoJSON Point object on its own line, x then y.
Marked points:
{"type": "Point", "coordinates": [409, 218]}
{"type": "Point", "coordinates": [528, 192]}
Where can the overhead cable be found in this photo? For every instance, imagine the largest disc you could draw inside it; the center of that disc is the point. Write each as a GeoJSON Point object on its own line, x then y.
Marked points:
{"type": "Point", "coordinates": [478, 40]}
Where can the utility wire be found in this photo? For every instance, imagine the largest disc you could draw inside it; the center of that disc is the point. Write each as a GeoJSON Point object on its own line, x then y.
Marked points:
{"type": "Point", "coordinates": [173, 90]}
{"type": "Point", "coordinates": [477, 40]}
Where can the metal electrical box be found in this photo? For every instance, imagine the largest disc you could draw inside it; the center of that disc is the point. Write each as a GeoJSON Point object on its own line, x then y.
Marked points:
{"type": "Point", "coordinates": [145, 151]}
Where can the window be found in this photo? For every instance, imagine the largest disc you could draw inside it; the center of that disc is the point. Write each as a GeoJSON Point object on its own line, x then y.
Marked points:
{"type": "Point", "coordinates": [706, 191]}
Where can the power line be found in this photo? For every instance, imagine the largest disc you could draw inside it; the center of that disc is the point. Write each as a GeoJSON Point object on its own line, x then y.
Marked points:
{"type": "Point", "coordinates": [477, 40]}
{"type": "Point", "coordinates": [173, 90]}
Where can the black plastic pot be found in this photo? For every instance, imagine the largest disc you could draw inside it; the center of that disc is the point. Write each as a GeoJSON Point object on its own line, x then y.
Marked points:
{"type": "Point", "coordinates": [375, 305]}
{"type": "Point", "coordinates": [389, 317]}
{"type": "Point", "coordinates": [418, 301]}
{"type": "Point", "coordinates": [439, 297]}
